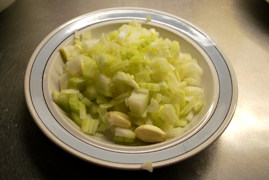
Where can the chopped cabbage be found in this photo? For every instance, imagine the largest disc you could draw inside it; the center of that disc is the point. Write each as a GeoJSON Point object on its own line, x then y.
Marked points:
{"type": "Point", "coordinates": [132, 70]}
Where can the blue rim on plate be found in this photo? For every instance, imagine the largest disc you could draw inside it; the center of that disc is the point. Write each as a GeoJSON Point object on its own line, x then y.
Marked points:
{"type": "Point", "coordinates": [214, 127]}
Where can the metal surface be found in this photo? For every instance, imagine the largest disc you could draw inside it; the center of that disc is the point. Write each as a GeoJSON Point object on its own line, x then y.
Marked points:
{"type": "Point", "coordinates": [240, 29]}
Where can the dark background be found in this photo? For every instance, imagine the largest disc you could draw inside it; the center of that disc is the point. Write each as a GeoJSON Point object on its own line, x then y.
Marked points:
{"type": "Point", "coordinates": [26, 153]}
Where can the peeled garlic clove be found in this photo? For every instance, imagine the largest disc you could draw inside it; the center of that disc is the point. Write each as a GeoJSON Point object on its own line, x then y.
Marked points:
{"type": "Point", "coordinates": [118, 119]}
{"type": "Point", "coordinates": [150, 133]}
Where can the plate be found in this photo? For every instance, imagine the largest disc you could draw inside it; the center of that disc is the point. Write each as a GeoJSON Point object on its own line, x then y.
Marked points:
{"type": "Point", "coordinates": [219, 82]}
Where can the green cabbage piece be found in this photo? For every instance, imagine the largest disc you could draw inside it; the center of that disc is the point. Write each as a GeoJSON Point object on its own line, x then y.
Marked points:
{"type": "Point", "coordinates": [133, 70]}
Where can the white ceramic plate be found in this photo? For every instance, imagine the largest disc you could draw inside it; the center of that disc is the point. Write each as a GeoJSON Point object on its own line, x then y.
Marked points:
{"type": "Point", "coordinates": [219, 82]}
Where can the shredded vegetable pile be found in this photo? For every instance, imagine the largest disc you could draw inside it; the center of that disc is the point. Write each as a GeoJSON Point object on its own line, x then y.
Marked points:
{"type": "Point", "coordinates": [129, 75]}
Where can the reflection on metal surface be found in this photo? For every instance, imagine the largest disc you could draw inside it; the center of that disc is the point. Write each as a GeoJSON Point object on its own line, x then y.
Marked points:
{"type": "Point", "coordinates": [246, 130]}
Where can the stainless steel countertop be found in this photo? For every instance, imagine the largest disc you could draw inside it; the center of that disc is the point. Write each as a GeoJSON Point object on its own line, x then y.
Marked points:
{"type": "Point", "coordinates": [239, 27]}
